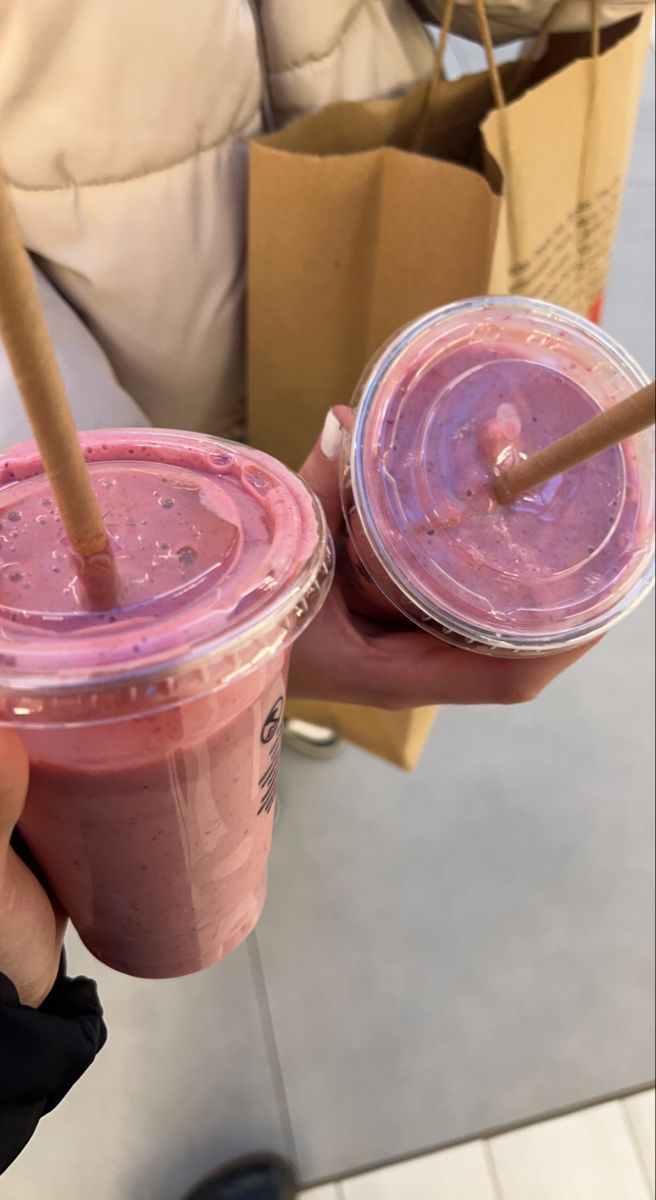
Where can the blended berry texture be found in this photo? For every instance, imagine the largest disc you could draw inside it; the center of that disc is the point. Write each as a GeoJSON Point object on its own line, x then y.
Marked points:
{"type": "Point", "coordinates": [465, 400]}
{"type": "Point", "coordinates": [151, 819]}
{"type": "Point", "coordinates": [552, 551]}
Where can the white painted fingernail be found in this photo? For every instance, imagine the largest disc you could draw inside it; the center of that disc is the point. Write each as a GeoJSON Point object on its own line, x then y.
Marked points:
{"type": "Point", "coordinates": [331, 437]}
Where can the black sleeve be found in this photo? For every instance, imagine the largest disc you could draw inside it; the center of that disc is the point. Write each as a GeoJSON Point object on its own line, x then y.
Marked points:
{"type": "Point", "coordinates": [43, 1052]}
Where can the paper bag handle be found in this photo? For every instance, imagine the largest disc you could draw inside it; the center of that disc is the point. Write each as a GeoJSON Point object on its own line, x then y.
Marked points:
{"type": "Point", "coordinates": [437, 78]}
{"type": "Point", "coordinates": [524, 66]}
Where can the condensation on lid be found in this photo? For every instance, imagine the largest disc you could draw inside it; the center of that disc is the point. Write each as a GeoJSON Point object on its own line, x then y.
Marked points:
{"type": "Point", "coordinates": [219, 551]}
{"type": "Point", "coordinates": [449, 398]}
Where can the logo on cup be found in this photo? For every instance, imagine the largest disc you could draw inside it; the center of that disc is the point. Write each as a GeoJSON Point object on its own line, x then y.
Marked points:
{"type": "Point", "coordinates": [271, 725]}
{"type": "Point", "coordinates": [271, 737]}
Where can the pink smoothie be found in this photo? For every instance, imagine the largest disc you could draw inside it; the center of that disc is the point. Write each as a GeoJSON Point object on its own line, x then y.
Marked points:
{"type": "Point", "coordinates": [468, 396]}
{"type": "Point", "coordinates": [154, 730]}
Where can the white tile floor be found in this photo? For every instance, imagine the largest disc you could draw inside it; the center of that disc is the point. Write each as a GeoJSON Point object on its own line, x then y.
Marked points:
{"type": "Point", "coordinates": [461, 1174]}
{"type": "Point", "coordinates": [601, 1153]}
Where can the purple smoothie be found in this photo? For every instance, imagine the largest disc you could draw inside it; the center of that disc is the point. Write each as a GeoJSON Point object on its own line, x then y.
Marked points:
{"type": "Point", "coordinates": [154, 730]}
{"type": "Point", "coordinates": [455, 399]}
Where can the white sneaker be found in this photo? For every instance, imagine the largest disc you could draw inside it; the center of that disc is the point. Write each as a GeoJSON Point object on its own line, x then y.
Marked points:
{"type": "Point", "coordinates": [315, 741]}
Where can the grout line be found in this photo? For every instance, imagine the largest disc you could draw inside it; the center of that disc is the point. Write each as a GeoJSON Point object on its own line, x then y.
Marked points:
{"type": "Point", "coordinates": [633, 1135]}
{"type": "Point", "coordinates": [483, 1135]}
{"type": "Point", "coordinates": [275, 1066]}
{"type": "Point", "coordinates": [339, 1191]}
{"type": "Point", "coordinates": [492, 1170]}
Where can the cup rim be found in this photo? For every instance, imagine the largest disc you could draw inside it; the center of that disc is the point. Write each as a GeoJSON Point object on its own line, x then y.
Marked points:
{"type": "Point", "coordinates": [478, 635]}
{"type": "Point", "coordinates": [239, 650]}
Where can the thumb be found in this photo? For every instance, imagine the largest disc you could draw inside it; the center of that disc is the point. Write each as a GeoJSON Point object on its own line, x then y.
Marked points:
{"type": "Point", "coordinates": [14, 773]}
{"type": "Point", "coordinates": [321, 470]}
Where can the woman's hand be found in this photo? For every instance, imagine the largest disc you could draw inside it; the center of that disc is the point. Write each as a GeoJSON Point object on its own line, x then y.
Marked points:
{"type": "Point", "coordinates": [31, 931]}
{"type": "Point", "coordinates": [344, 657]}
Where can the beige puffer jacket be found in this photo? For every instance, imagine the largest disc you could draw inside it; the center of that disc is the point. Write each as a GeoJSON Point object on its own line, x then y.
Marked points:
{"type": "Point", "coordinates": [122, 132]}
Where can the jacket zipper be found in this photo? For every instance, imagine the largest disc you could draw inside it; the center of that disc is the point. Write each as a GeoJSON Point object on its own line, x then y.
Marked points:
{"type": "Point", "coordinates": [268, 122]}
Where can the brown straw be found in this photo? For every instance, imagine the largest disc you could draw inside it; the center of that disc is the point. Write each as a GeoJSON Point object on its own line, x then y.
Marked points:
{"type": "Point", "coordinates": [621, 421]}
{"type": "Point", "coordinates": [25, 334]}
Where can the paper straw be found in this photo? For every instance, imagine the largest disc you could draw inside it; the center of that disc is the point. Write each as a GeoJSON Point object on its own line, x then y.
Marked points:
{"type": "Point", "coordinates": [25, 335]}
{"type": "Point", "coordinates": [614, 425]}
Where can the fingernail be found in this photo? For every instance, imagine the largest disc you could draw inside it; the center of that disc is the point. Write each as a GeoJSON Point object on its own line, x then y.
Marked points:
{"type": "Point", "coordinates": [331, 437]}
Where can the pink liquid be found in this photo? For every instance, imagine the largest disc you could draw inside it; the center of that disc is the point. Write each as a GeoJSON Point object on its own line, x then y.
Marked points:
{"type": "Point", "coordinates": [446, 419]}
{"type": "Point", "coordinates": [153, 821]}
{"type": "Point", "coordinates": [553, 549]}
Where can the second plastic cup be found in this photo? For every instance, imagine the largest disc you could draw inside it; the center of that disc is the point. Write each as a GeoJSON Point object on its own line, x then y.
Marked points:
{"type": "Point", "coordinates": [447, 403]}
{"type": "Point", "coordinates": [154, 731]}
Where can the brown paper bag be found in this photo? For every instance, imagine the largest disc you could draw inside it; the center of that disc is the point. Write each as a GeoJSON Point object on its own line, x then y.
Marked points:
{"type": "Point", "coordinates": [563, 152]}
{"type": "Point", "coordinates": [352, 233]}
{"type": "Point", "coordinates": [350, 236]}
{"type": "Point", "coordinates": [398, 737]}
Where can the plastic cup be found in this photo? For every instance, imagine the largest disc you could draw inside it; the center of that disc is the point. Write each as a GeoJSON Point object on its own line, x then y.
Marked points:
{"type": "Point", "coordinates": [154, 731]}
{"type": "Point", "coordinates": [448, 401]}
